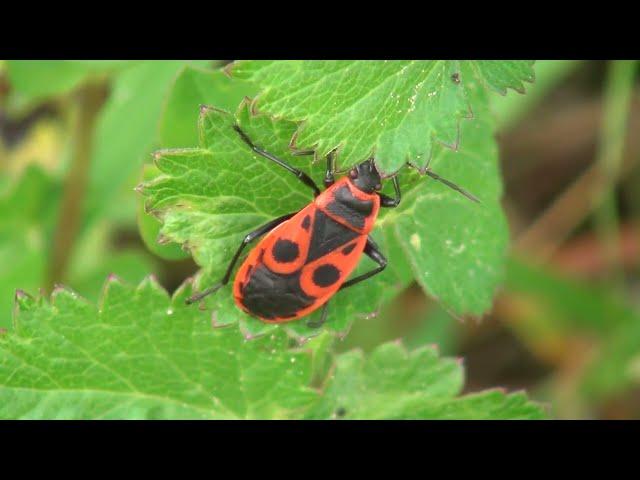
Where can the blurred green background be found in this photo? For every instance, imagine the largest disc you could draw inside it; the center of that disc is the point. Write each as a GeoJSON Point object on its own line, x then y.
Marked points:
{"type": "Point", "coordinates": [74, 137]}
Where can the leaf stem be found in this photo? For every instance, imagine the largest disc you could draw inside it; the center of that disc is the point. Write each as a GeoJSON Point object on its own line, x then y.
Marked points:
{"type": "Point", "coordinates": [89, 99]}
{"type": "Point", "coordinates": [582, 197]}
{"type": "Point", "coordinates": [616, 105]}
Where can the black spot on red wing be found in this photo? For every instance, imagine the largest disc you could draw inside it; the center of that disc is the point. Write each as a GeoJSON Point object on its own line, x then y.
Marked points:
{"type": "Point", "coordinates": [348, 249]}
{"type": "Point", "coordinates": [306, 223]}
{"type": "Point", "coordinates": [285, 251]}
{"type": "Point", "coordinates": [326, 275]}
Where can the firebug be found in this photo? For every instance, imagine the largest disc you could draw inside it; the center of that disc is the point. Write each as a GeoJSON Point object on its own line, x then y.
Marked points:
{"type": "Point", "coordinates": [306, 257]}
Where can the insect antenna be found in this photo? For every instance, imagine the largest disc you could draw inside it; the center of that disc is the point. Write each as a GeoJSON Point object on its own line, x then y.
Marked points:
{"type": "Point", "coordinates": [452, 185]}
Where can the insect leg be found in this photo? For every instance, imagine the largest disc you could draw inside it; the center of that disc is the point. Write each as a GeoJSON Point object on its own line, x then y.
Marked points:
{"type": "Point", "coordinates": [248, 239]}
{"type": "Point", "coordinates": [389, 202]}
{"type": "Point", "coordinates": [373, 252]}
{"type": "Point", "coordinates": [323, 318]}
{"type": "Point", "coordinates": [301, 153]}
{"type": "Point", "coordinates": [303, 177]}
{"type": "Point", "coordinates": [329, 176]}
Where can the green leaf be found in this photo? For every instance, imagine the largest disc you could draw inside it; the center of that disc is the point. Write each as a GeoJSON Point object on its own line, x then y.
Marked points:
{"type": "Point", "coordinates": [126, 133]}
{"type": "Point", "coordinates": [27, 212]}
{"type": "Point", "coordinates": [615, 368]}
{"type": "Point", "coordinates": [178, 128]}
{"type": "Point", "coordinates": [95, 258]}
{"type": "Point", "coordinates": [395, 110]}
{"type": "Point", "coordinates": [457, 248]}
{"type": "Point", "coordinates": [567, 304]}
{"type": "Point", "coordinates": [194, 87]}
{"type": "Point", "coordinates": [549, 73]}
{"type": "Point", "coordinates": [45, 78]}
{"type": "Point", "coordinates": [564, 307]}
{"type": "Point", "coordinates": [149, 226]}
{"type": "Point", "coordinates": [500, 75]}
{"type": "Point", "coordinates": [131, 265]}
{"type": "Point", "coordinates": [208, 195]}
{"type": "Point", "coordinates": [208, 198]}
{"type": "Point", "coordinates": [393, 383]}
{"type": "Point", "coordinates": [141, 354]}
{"type": "Point", "coordinates": [437, 328]}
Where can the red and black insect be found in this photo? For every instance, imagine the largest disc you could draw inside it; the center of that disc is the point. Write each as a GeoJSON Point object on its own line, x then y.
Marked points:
{"type": "Point", "coordinates": [307, 256]}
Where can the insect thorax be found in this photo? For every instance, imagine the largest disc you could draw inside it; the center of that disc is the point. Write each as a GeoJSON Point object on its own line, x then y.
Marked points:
{"type": "Point", "coordinates": [347, 205]}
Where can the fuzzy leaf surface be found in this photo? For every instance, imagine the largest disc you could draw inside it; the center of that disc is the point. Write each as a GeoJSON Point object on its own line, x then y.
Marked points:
{"type": "Point", "coordinates": [394, 383]}
{"type": "Point", "coordinates": [140, 354]}
{"type": "Point", "coordinates": [209, 198]}
{"type": "Point", "coordinates": [395, 110]}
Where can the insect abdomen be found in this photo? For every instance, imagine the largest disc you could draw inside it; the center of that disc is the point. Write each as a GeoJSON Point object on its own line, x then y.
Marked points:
{"type": "Point", "coordinates": [272, 295]}
{"type": "Point", "coordinates": [301, 263]}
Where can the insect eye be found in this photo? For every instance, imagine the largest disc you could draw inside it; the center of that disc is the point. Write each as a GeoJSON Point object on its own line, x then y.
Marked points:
{"type": "Point", "coordinates": [353, 173]}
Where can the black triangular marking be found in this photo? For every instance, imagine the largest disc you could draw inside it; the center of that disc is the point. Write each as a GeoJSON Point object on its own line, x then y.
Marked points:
{"type": "Point", "coordinates": [327, 236]}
